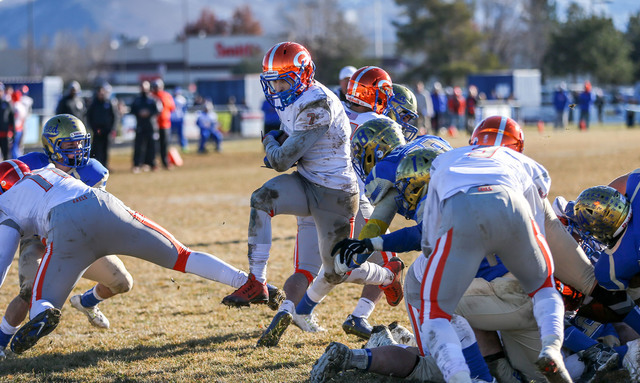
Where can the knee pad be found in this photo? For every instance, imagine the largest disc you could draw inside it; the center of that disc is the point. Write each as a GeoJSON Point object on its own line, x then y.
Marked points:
{"type": "Point", "coordinates": [123, 285]}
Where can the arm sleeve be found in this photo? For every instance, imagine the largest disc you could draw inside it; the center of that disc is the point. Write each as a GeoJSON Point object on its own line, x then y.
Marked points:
{"type": "Point", "coordinates": [403, 240]}
{"type": "Point", "coordinates": [381, 217]}
{"type": "Point", "coordinates": [10, 238]}
{"type": "Point", "coordinates": [283, 157]}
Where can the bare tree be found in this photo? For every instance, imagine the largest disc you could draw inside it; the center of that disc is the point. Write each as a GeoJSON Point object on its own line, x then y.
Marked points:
{"type": "Point", "coordinates": [332, 41]}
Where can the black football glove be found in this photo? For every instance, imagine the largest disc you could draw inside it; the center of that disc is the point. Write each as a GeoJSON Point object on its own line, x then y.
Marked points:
{"type": "Point", "coordinates": [353, 252]}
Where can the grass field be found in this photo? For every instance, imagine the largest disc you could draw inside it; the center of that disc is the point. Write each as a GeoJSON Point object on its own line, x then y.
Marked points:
{"type": "Point", "coordinates": [172, 327]}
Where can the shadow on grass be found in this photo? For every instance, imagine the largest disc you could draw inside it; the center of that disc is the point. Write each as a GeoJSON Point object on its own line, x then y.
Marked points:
{"type": "Point", "coordinates": [58, 362]}
{"type": "Point", "coordinates": [236, 241]}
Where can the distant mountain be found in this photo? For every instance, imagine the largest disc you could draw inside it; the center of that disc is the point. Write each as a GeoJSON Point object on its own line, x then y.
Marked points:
{"type": "Point", "coordinates": [162, 20]}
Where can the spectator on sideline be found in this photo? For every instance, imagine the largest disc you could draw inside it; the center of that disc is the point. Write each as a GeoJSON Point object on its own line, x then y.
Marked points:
{"type": "Point", "coordinates": [20, 114]}
{"type": "Point", "coordinates": [164, 118]}
{"type": "Point", "coordinates": [561, 104]}
{"type": "Point", "coordinates": [72, 103]}
{"type": "Point", "coordinates": [101, 118]}
{"type": "Point", "coordinates": [470, 110]}
{"type": "Point", "coordinates": [177, 119]}
{"type": "Point", "coordinates": [6, 123]}
{"type": "Point", "coordinates": [585, 100]}
{"type": "Point", "coordinates": [439, 101]}
{"type": "Point", "coordinates": [343, 79]}
{"type": "Point", "coordinates": [145, 108]}
{"type": "Point", "coordinates": [209, 128]}
{"type": "Point", "coordinates": [425, 108]}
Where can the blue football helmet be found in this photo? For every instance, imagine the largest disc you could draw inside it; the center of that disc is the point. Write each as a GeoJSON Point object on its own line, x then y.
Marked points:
{"type": "Point", "coordinates": [61, 129]}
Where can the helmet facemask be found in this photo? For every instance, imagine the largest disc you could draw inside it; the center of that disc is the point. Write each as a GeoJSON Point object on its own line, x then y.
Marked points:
{"type": "Point", "coordinates": [403, 109]}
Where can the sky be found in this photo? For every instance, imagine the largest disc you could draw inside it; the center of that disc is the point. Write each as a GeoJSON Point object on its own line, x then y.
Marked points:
{"type": "Point", "coordinates": [362, 12]}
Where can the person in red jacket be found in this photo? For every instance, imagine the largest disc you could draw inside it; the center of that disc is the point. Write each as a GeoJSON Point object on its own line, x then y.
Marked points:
{"type": "Point", "coordinates": [164, 118]}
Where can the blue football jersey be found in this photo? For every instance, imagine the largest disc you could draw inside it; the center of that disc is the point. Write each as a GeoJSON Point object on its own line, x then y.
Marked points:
{"type": "Point", "coordinates": [383, 174]}
{"type": "Point", "coordinates": [624, 257]}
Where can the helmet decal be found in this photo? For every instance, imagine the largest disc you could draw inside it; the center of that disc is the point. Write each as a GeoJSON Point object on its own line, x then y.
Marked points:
{"type": "Point", "coordinates": [503, 124]}
{"type": "Point", "coordinates": [300, 59]}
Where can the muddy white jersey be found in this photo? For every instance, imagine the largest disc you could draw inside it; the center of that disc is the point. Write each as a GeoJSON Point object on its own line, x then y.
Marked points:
{"type": "Point", "coordinates": [356, 119]}
{"type": "Point", "coordinates": [29, 201]}
{"type": "Point", "coordinates": [461, 169]}
{"type": "Point", "coordinates": [328, 161]}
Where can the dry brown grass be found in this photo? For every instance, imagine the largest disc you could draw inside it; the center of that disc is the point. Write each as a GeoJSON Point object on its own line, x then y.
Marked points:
{"type": "Point", "coordinates": [172, 327]}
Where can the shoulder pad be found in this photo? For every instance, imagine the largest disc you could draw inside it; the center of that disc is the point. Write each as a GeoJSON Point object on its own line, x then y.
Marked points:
{"type": "Point", "coordinates": [35, 160]}
{"type": "Point", "coordinates": [93, 174]}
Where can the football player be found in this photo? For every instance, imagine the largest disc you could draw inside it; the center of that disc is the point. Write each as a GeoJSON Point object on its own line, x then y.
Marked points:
{"type": "Point", "coordinates": [67, 146]}
{"type": "Point", "coordinates": [82, 224]}
{"type": "Point", "coordinates": [316, 137]}
{"type": "Point", "coordinates": [606, 212]}
{"type": "Point", "coordinates": [369, 94]}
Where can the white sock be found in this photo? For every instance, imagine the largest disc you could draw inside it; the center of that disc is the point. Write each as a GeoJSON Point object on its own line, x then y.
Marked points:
{"type": "Point", "coordinates": [445, 347]}
{"type": "Point", "coordinates": [548, 310]}
{"type": "Point", "coordinates": [215, 269]}
{"type": "Point", "coordinates": [258, 258]}
{"type": "Point", "coordinates": [259, 241]}
{"type": "Point", "coordinates": [320, 288]}
{"type": "Point", "coordinates": [287, 306]}
{"type": "Point", "coordinates": [6, 328]}
{"type": "Point", "coordinates": [370, 274]}
{"type": "Point", "coordinates": [364, 308]}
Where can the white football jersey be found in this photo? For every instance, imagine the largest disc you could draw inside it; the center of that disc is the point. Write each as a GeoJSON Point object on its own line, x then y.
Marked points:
{"type": "Point", "coordinates": [356, 119]}
{"type": "Point", "coordinates": [463, 168]}
{"type": "Point", "coordinates": [30, 200]}
{"type": "Point", "coordinates": [328, 161]}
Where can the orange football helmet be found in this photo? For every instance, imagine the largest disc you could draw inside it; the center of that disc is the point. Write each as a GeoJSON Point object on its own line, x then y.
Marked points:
{"type": "Point", "coordinates": [12, 171]}
{"type": "Point", "coordinates": [370, 86]}
{"type": "Point", "coordinates": [498, 131]}
{"type": "Point", "coordinates": [291, 62]}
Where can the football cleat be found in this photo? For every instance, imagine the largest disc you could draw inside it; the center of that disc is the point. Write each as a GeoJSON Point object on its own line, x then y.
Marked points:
{"type": "Point", "coordinates": [631, 360]}
{"type": "Point", "coordinates": [251, 292]}
{"type": "Point", "coordinates": [276, 297]}
{"type": "Point", "coordinates": [308, 322]}
{"type": "Point", "coordinates": [551, 365]}
{"type": "Point", "coordinates": [29, 334]}
{"type": "Point", "coordinates": [95, 316]}
{"type": "Point", "coordinates": [271, 336]}
{"type": "Point", "coordinates": [335, 359]}
{"type": "Point", "coordinates": [597, 358]}
{"type": "Point", "coordinates": [380, 336]}
{"type": "Point", "coordinates": [401, 335]}
{"type": "Point", "coordinates": [393, 291]}
{"type": "Point", "coordinates": [357, 326]}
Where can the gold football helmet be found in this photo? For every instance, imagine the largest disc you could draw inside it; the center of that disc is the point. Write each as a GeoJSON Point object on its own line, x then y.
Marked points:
{"type": "Point", "coordinates": [372, 141]}
{"type": "Point", "coordinates": [603, 212]}
{"type": "Point", "coordinates": [403, 109]}
{"type": "Point", "coordinates": [412, 178]}
{"type": "Point", "coordinates": [61, 129]}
